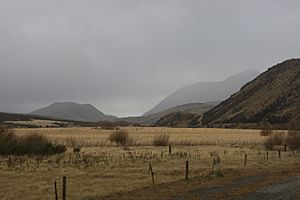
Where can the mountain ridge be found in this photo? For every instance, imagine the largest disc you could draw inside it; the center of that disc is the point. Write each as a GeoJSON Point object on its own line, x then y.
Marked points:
{"type": "Point", "coordinates": [72, 111]}
{"type": "Point", "coordinates": [204, 91]}
{"type": "Point", "coordinates": [271, 98]}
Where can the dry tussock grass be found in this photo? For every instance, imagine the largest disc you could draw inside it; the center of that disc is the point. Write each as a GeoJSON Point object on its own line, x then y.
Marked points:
{"type": "Point", "coordinates": [92, 137]}
{"type": "Point", "coordinates": [102, 168]}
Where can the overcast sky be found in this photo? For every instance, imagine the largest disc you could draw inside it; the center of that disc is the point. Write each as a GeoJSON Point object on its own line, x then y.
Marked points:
{"type": "Point", "coordinates": [125, 56]}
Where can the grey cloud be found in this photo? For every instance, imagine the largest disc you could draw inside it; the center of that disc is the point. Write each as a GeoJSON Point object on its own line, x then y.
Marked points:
{"type": "Point", "coordinates": [125, 56]}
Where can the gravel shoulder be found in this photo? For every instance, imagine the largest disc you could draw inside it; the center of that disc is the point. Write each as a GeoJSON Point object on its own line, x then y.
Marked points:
{"type": "Point", "coordinates": [279, 186]}
{"type": "Point", "coordinates": [287, 189]}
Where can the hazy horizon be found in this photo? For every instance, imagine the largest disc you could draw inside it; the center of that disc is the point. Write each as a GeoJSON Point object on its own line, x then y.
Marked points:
{"type": "Point", "coordinates": [124, 57]}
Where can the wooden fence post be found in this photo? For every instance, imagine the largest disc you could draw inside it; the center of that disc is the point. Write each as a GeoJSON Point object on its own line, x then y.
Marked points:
{"type": "Point", "coordinates": [212, 170]}
{"type": "Point", "coordinates": [267, 155]}
{"type": "Point", "coordinates": [152, 173]}
{"type": "Point", "coordinates": [279, 154]}
{"type": "Point", "coordinates": [245, 161]}
{"type": "Point", "coordinates": [285, 147]}
{"type": "Point", "coordinates": [64, 190]}
{"type": "Point", "coordinates": [55, 190]}
{"type": "Point", "coordinates": [170, 149]}
{"type": "Point", "coordinates": [187, 170]}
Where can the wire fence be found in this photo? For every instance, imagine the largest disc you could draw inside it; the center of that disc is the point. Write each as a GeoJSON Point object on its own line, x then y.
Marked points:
{"type": "Point", "coordinates": [77, 171]}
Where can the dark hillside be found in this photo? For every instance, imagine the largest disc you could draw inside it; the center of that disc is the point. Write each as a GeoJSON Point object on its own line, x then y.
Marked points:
{"type": "Point", "coordinates": [271, 97]}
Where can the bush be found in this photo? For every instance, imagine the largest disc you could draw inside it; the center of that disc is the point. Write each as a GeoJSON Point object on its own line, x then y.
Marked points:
{"type": "Point", "coordinates": [274, 140]}
{"type": "Point", "coordinates": [121, 137]}
{"type": "Point", "coordinates": [161, 140]}
{"type": "Point", "coordinates": [266, 130]}
{"type": "Point", "coordinates": [293, 140]}
{"type": "Point", "coordinates": [269, 143]}
{"type": "Point", "coordinates": [34, 144]}
{"type": "Point", "coordinates": [278, 138]}
{"type": "Point", "coordinates": [8, 141]}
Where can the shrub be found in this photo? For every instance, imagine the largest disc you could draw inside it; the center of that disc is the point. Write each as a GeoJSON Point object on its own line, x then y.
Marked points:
{"type": "Point", "coordinates": [34, 144]}
{"type": "Point", "coordinates": [121, 137]}
{"type": "Point", "coordinates": [266, 130]}
{"type": "Point", "coordinates": [293, 140]}
{"type": "Point", "coordinates": [161, 140]}
{"type": "Point", "coordinates": [8, 141]}
{"type": "Point", "coordinates": [273, 140]}
{"type": "Point", "coordinates": [269, 143]}
{"type": "Point", "coordinates": [278, 138]}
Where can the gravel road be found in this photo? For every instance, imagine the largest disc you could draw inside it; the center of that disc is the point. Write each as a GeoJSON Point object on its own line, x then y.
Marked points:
{"type": "Point", "coordinates": [287, 188]}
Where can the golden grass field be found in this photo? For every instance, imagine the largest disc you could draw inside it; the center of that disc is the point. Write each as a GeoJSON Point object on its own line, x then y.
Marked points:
{"type": "Point", "coordinates": [102, 168]}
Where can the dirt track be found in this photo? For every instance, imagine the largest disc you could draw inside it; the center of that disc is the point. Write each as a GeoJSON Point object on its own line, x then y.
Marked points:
{"type": "Point", "coordinates": [283, 186]}
{"type": "Point", "coordinates": [286, 188]}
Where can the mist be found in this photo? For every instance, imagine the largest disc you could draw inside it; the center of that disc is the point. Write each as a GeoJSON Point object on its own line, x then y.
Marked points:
{"type": "Point", "coordinates": [125, 56]}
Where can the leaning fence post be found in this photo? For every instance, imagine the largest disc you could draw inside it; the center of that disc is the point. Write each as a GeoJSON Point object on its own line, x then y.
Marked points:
{"type": "Point", "coordinates": [245, 161]}
{"type": "Point", "coordinates": [170, 149]}
{"type": "Point", "coordinates": [55, 190]}
{"type": "Point", "coordinates": [187, 170]}
{"type": "Point", "coordinates": [152, 173]}
{"type": "Point", "coordinates": [64, 190]}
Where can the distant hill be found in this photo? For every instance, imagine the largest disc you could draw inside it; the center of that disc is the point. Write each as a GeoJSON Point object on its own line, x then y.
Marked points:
{"type": "Point", "coordinates": [271, 97]}
{"type": "Point", "coordinates": [205, 91]}
{"type": "Point", "coordinates": [18, 117]}
{"type": "Point", "coordinates": [73, 111]}
{"type": "Point", "coordinates": [193, 108]}
{"type": "Point", "coordinates": [28, 121]}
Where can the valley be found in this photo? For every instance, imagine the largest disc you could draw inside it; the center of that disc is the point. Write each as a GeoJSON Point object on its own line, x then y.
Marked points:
{"type": "Point", "coordinates": [104, 170]}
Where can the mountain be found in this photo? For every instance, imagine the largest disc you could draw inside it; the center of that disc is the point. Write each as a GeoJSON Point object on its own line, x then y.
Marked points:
{"type": "Point", "coordinates": [193, 108]}
{"type": "Point", "coordinates": [73, 111]}
{"type": "Point", "coordinates": [272, 97]}
{"type": "Point", "coordinates": [205, 91]}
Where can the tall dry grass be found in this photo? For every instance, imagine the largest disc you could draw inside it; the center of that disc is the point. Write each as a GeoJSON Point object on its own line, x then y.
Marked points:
{"type": "Point", "coordinates": [92, 137]}
{"type": "Point", "coordinates": [102, 168]}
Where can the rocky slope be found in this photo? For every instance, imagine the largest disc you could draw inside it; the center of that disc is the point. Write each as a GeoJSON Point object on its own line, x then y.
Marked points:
{"type": "Point", "coordinates": [271, 97]}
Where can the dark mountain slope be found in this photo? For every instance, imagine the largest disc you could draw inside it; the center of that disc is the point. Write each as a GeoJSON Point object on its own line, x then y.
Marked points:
{"type": "Point", "coordinates": [193, 108]}
{"type": "Point", "coordinates": [180, 120]}
{"type": "Point", "coordinates": [271, 97]}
